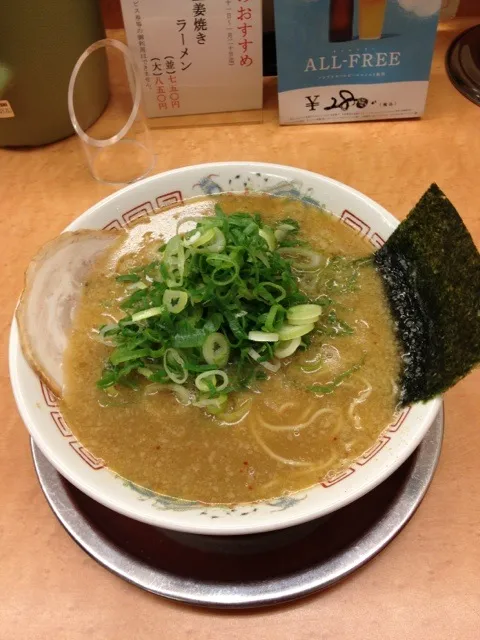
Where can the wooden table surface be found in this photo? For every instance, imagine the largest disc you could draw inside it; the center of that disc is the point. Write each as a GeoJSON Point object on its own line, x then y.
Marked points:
{"type": "Point", "coordinates": [426, 583]}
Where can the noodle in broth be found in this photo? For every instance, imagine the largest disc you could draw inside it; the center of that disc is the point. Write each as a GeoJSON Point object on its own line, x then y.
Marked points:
{"type": "Point", "coordinates": [280, 435]}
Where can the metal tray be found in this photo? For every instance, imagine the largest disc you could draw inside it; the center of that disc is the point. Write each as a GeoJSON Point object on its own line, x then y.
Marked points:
{"type": "Point", "coordinates": [245, 571]}
{"type": "Point", "coordinates": [462, 63]}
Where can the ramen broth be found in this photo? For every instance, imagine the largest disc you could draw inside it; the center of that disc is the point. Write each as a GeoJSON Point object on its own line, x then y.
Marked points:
{"type": "Point", "coordinates": [283, 437]}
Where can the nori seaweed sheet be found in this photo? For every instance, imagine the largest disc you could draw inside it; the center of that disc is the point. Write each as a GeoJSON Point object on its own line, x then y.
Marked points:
{"type": "Point", "coordinates": [431, 271]}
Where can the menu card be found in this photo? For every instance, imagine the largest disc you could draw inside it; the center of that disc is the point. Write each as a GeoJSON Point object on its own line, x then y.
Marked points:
{"type": "Point", "coordinates": [342, 60]}
{"type": "Point", "coordinates": [196, 57]}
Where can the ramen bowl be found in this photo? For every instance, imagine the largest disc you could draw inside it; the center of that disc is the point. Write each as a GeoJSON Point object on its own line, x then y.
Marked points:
{"type": "Point", "coordinates": [43, 418]}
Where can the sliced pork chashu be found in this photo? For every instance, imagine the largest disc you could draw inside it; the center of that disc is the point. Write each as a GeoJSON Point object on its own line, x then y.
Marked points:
{"type": "Point", "coordinates": [47, 305]}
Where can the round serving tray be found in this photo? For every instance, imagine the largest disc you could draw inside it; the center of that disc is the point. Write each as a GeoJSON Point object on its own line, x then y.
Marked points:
{"type": "Point", "coordinates": [245, 571]}
{"type": "Point", "coordinates": [462, 62]}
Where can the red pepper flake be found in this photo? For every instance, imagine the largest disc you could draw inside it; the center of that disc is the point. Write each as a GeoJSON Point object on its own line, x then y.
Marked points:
{"type": "Point", "coordinates": [245, 463]}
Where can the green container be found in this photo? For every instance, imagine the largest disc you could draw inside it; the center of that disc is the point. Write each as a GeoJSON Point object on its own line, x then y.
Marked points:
{"type": "Point", "coordinates": [40, 42]}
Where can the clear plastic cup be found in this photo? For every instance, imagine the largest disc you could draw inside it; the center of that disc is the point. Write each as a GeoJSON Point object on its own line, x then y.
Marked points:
{"type": "Point", "coordinates": [117, 146]}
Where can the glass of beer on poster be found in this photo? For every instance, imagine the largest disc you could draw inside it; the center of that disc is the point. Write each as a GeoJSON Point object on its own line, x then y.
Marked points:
{"type": "Point", "coordinates": [371, 14]}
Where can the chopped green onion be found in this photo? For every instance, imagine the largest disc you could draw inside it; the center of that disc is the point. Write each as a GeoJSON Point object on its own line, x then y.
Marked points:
{"type": "Point", "coordinates": [111, 391]}
{"type": "Point", "coordinates": [174, 260]}
{"type": "Point", "coordinates": [200, 380]}
{"type": "Point", "coordinates": [270, 291]}
{"type": "Point", "coordinates": [262, 336]}
{"type": "Point", "coordinates": [182, 394]}
{"type": "Point", "coordinates": [147, 313]}
{"type": "Point", "coordinates": [230, 283]}
{"type": "Point", "coordinates": [301, 311]}
{"type": "Point", "coordinates": [217, 245]}
{"type": "Point", "coordinates": [204, 238]}
{"type": "Point", "coordinates": [270, 366]}
{"type": "Point", "coordinates": [107, 328]}
{"type": "Point", "coordinates": [286, 348]}
{"type": "Point", "coordinates": [289, 332]}
{"type": "Point", "coordinates": [275, 317]}
{"type": "Point", "coordinates": [128, 277]}
{"type": "Point", "coordinates": [303, 321]}
{"type": "Point", "coordinates": [174, 366]}
{"type": "Point", "coordinates": [282, 231]}
{"type": "Point", "coordinates": [216, 349]}
{"type": "Point", "coordinates": [188, 241]}
{"type": "Point", "coordinates": [304, 314]}
{"type": "Point", "coordinates": [188, 337]}
{"type": "Point", "coordinates": [143, 371]}
{"type": "Point", "coordinates": [124, 355]}
{"type": "Point", "coordinates": [213, 405]}
{"type": "Point", "coordinates": [267, 234]}
{"type": "Point", "coordinates": [175, 301]}
{"type": "Point", "coordinates": [235, 417]}
{"type": "Point", "coordinates": [136, 286]}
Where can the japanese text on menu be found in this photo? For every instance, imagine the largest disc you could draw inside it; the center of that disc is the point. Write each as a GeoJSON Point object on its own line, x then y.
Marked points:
{"type": "Point", "coordinates": [165, 69]}
{"type": "Point", "coordinates": [244, 18]}
{"type": "Point", "coordinates": [141, 42]}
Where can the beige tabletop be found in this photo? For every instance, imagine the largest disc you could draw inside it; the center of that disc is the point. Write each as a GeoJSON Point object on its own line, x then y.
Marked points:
{"type": "Point", "coordinates": [426, 583]}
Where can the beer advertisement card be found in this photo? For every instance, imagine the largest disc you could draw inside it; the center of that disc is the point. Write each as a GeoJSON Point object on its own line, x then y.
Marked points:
{"type": "Point", "coordinates": [343, 60]}
{"type": "Point", "coordinates": [196, 56]}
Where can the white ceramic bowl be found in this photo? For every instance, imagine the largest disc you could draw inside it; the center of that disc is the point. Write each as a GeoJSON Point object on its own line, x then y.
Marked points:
{"type": "Point", "coordinates": [39, 410]}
